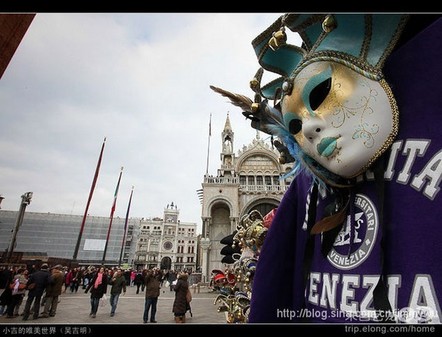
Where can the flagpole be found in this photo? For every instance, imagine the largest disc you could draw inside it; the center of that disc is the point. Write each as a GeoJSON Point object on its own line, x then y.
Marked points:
{"type": "Point", "coordinates": [125, 226]}
{"type": "Point", "coordinates": [91, 192]}
{"type": "Point", "coordinates": [112, 215]}
{"type": "Point", "coordinates": [208, 144]}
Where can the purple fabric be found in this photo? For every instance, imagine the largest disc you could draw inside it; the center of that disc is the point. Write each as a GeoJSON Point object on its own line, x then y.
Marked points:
{"type": "Point", "coordinates": [412, 216]}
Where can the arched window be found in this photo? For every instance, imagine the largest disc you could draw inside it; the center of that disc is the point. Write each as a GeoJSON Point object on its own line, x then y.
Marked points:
{"type": "Point", "coordinates": [263, 208]}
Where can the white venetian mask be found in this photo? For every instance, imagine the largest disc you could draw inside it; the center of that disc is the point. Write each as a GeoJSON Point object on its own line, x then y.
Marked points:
{"type": "Point", "coordinates": [341, 119]}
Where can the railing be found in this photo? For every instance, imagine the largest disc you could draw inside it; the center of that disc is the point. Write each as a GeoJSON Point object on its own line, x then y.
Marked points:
{"type": "Point", "coordinates": [264, 188]}
{"type": "Point", "coordinates": [246, 188]}
{"type": "Point", "coordinates": [221, 180]}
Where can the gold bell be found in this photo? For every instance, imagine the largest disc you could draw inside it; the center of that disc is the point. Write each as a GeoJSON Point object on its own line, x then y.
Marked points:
{"type": "Point", "coordinates": [254, 84]}
{"type": "Point", "coordinates": [329, 23]}
{"type": "Point", "coordinates": [254, 107]}
{"type": "Point", "coordinates": [278, 39]}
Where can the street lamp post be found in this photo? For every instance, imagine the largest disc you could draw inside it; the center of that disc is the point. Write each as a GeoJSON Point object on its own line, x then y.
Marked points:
{"type": "Point", "coordinates": [25, 201]}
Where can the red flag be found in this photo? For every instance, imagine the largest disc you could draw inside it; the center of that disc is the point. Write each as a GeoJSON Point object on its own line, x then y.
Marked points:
{"type": "Point", "coordinates": [91, 192]}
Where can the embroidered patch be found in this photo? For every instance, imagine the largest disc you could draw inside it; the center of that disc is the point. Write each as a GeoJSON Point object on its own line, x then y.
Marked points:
{"type": "Point", "coordinates": [353, 245]}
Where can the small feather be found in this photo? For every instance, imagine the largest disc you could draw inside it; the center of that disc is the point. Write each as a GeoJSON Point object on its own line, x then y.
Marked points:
{"type": "Point", "coordinates": [236, 99]}
{"type": "Point", "coordinates": [270, 120]}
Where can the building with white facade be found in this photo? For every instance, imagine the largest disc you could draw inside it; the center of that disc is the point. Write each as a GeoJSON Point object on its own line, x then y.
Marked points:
{"type": "Point", "coordinates": [167, 243]}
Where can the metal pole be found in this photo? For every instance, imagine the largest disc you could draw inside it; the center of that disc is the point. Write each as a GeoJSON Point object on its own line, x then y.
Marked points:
{"type": "Point", "coordinates": [125, 227]}
{"type": "Point", "coordinates": [114, 205]}
{"type": "Point", "coordinates": [25, 201]}
{"type": "Point", "coordinates": [208, 144]}
{"type": "Point", "coordinates": [91, 192]}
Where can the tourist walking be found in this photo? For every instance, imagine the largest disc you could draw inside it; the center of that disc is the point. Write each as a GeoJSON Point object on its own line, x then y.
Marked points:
{"type": "Point", "coordinates": [118, 282]}
{"type": "Point", "coordinates": [139, 281]}
{"type": "Point", "coordinates": [38, 281]}
{"type": "Point", "coordinates": [152, 282]}
{"type": "Point", "coordinates": [53, 291]}
{"type": "Point", "coordinates": [98, 287]}
{"type": "Point", "coordinates": [17, 293]}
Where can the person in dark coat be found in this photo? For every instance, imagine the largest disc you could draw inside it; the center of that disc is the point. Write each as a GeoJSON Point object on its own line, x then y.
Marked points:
{"type": "Point", "coordinates": [5, 300]}
{"type": "Point", "coordinates": [139, 280]}
{"type": "Point", "coordinates": [5, 297]}
{"type": "Point", "coordinates": [40, 279]}
{"type": "Point", "coordinates": [5, 278]}
{"type": "Point", "coordinates": [118, 283]}
{"type": "Point", "coordinates": [17, 293]}
{"type": "Point", "coordinates": [180, 303]}
{"type": "Point", "coordinates": [98, 287]}
{"type": "Point", "coordinates": [153, 284]}
{"type": "Point", "coordinates": [53, 291]}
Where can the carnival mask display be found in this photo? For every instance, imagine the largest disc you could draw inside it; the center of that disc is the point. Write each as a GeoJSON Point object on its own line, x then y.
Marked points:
{"type": "Point", "coordinates": [332, 108]}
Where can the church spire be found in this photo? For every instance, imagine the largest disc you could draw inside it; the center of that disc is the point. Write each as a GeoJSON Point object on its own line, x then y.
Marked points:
{"type": "Point", "coordinates": [227, 126]}
{"type": "Point", "coordinates": [227, 137]}
{"type": "Point", "coordinates": [227, 154]}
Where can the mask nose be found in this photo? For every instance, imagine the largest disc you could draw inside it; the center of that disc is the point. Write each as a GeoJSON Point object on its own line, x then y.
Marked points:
{"type": "Point", "coordinates": [312, 128]}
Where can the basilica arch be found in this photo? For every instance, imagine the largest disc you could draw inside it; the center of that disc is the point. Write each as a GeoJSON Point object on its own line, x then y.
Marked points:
{"type": "Point", "coordinates": [262, 205]}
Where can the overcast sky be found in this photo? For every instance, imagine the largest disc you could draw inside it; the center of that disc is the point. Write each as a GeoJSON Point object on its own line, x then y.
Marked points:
{"type": "Point", "coordinates": [140, 80]}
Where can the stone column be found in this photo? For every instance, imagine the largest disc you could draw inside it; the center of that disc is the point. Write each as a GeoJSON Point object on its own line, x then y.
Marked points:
{"type": "Point", "coordinates": [205, 246]}
{"type": "Point", "coordinates": [206, 226]}
{"type": "Point", "coordinates": [233, 223]}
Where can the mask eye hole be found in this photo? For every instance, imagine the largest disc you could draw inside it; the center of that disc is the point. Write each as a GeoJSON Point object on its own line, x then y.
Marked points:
{"type": "Point", "coordinates": [295, 126]}
{"type": "Point", "coordinates": [292, 122]}
{"type": "Point", "coordinates": [319, 93]}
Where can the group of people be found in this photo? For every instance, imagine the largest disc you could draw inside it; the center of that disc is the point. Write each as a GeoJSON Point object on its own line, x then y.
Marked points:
{"type": "Point", "coordinates": [152, 280]}
{"type": "Point", "coordinates": [45, 281]}
{"type": "Point", "coordinates": [44, 286]}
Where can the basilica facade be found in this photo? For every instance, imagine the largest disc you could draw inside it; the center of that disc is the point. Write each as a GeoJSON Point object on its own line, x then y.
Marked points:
{"type": "Point", "coordinates": [250, 180]}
